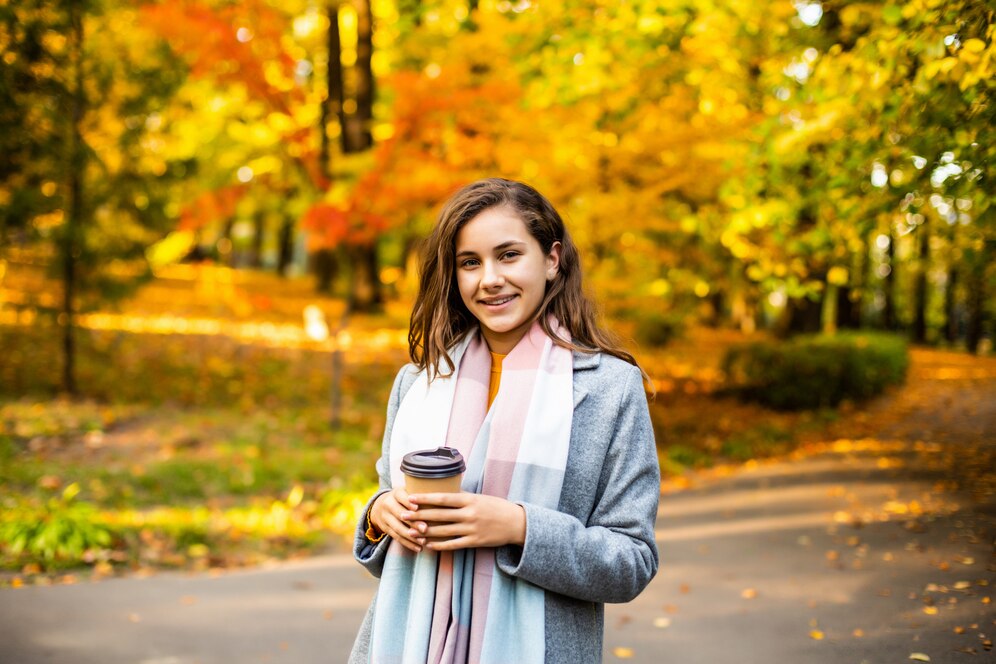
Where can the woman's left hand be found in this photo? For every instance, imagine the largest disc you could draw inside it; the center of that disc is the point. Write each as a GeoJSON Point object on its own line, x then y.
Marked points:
{"type": "Point", "coordinates": [468, 520]}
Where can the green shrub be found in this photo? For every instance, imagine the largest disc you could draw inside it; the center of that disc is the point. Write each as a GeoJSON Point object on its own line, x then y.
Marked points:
{"type": "Point", "coordinates": [813, 371]}
{"type": "Point", "coordinates": [57, 535]}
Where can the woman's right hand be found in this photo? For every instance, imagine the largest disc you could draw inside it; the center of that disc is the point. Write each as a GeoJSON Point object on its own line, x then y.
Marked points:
{"type": "Point", "coordinates": [385, 514]}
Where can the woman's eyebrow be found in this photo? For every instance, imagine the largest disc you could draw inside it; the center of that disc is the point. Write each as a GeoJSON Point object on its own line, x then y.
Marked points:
{"type": "Point", "coordinates": [498, 248]}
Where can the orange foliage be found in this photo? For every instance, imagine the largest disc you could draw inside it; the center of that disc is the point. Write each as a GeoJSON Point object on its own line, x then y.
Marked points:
{"type": "Point", "coordinates": [231, 44]}
{"type": "Point", "coordinates": [356, 222]}
{"type": "Point", "coordinates": [211, 206]}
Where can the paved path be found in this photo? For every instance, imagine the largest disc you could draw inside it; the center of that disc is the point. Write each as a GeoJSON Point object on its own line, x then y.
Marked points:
{"type": "Point", "coordinates": [864, 552]}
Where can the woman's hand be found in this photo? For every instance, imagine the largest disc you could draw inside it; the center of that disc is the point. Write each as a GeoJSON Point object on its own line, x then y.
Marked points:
{"type": "Point", "coordinates": [386, 514]}
{"type": "Point", "coordinates": [469, 520]}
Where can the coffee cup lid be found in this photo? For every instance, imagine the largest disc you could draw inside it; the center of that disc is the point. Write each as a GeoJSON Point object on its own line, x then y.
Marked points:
{"type": "Point", "coordinates": [439, 463]}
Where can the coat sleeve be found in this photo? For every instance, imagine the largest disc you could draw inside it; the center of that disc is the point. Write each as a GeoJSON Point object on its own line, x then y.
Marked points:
{"type": "Point", "coordinates": [613, 556]}
{"type": "Point", "coordinates": [368, 554]}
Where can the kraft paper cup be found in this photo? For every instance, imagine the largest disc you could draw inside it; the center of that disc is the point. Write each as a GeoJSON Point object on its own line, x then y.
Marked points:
{"type": "Point", "coordinates": [437, 470]}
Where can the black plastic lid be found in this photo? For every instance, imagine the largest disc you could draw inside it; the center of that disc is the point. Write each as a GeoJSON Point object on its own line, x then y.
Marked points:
{"type": "Point", "coordinates": [434, 464]}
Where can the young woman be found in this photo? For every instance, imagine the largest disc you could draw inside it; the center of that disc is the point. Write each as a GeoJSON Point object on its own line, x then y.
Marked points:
{"type": "Point", "coordinates": [557, 509]}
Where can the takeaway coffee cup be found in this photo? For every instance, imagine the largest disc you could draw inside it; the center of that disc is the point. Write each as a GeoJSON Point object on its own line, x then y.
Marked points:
{"type": "Point", "coordinates": [433, 471]}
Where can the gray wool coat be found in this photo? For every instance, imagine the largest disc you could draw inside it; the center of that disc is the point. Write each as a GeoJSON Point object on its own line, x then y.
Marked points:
{"type": "Point", "coordinates": [598, 546]}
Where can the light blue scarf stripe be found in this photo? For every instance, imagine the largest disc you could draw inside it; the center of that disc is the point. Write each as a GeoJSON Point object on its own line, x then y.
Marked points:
{"type": "Point", "coordinates": [410, 576]}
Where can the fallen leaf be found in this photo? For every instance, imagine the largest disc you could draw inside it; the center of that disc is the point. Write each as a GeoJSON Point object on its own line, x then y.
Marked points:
{"type": "Point", "coordinates": [749, 593]}
{"type": "Point", "coordinates": [888, 557]}
{"type": "Point", "coordinates": [930, 610]}
{"type": "Point", "coordinates": [134, 617]}
{"type": "Point", "coordinates": [662, 623]}
{"type": "Point", "coordinates": [919, 657]}
{"type": "Point", "coordinates": [959, 630]}
{"type": "Point", "coordinates": [967, 650]}
{"type": "Point", "coordinates": [962, 585]}
{"type": "Point", "coordinates": [16, 582]}
{"type": "Point", "coordinates": [684, 588]}
{"type": "Point", "coordinates": [858, 633]}
{"type": "Point", "coordinates": [986, 600]}
{"type": "Point", "coordinates": [965, 560]}
{"type": "Point", "coordinates": [623, 653]}
{"type": "Point", "coordinates": [327, 614]}
{"type": "Point", "coordinates": [816, 635]}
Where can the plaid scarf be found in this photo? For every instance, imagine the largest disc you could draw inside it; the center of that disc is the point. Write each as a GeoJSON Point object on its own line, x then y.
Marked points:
{"type": "Point", "coordinates": [457, 607]}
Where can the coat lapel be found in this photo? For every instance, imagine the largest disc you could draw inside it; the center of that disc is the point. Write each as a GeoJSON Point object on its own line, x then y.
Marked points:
{"type": "Point", "coordinates": [583, 362]}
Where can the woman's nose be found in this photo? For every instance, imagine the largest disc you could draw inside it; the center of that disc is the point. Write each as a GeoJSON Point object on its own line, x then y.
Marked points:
{"type": "Point", "coordinates": [492, 277]}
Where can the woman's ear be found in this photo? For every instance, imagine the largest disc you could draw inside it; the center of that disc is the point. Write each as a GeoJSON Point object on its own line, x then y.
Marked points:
{"type": "Point", "coordinates": [553, 261]}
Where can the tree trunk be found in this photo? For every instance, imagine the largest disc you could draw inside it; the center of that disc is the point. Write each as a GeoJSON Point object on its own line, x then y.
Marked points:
{"type": "Point", "coordinates": [226, 248]}
{"type": "Point", "coordinates": [801, 316]}
{"type": "Point", "coordinates": [848, 308]}
{"type": "Point", "coordinates": [950, 320]}
{"type": "Point", "coordinates": [286, 251]}
{"type": "Point", "coordinates": [334, 103]}
{"type": "Point", "coordinates": [849, 296]}
{"type": "Point", "coordinates": [74, 222]}
{"type": "Point", "coordinates": [365, 80]}
{"type": "Point", "coordinates": [365, 292]}
{"type": "Point", "coordinates": [717, 302]}
{"type": "Point", "coordinates": [920, 288]}
{"type": "Point", "coordinates": [889, 315]}
{"type": "Point", "coordinates": [976, 306]}
{"type": "Point", "coordinates": [326, 268]}
{"type": "Point", "coordinates": [259, 228]}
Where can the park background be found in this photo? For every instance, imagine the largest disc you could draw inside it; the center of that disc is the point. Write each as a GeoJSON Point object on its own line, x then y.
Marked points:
{"type": "Point", "coordinates": [210, 216]}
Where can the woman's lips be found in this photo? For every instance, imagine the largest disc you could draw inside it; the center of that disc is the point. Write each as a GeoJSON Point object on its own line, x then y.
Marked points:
{"type": "Point", "coordinates": [495, 302]}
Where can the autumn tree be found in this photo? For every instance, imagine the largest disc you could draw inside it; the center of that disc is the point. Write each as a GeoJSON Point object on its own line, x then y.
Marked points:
{"type": "Point", "coordinates": [81, 178]}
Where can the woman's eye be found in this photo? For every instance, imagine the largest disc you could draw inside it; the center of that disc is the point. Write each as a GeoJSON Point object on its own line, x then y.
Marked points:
{"type": "Point", "coordinates": [469, 262]}
{"type": "Point", "coordinates": [509, 255]}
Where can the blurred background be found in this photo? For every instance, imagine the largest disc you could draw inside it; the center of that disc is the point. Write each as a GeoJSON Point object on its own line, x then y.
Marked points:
{"type": "Point", "coordinates": [210, 215]}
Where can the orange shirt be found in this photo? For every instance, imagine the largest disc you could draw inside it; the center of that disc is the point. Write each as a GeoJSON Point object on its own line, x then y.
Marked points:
{"type": "Point", "coordinates": [496, 360]}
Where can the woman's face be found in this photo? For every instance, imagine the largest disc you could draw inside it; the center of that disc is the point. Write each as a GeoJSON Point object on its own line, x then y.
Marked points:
{"type": "Point", "coordinates": [502, 274]}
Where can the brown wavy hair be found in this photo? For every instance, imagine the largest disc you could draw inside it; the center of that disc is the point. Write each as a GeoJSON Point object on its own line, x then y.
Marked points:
{"type": "Point", "coordinates": [440, 318]}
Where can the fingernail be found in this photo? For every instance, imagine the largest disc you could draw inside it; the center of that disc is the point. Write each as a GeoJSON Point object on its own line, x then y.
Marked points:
{"type": "Point", "coordinates": [421, 540]}
{"type": "Point", "coordinates": [413, 533]}
{"type": "Point", "coordinates": [421, 527]}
